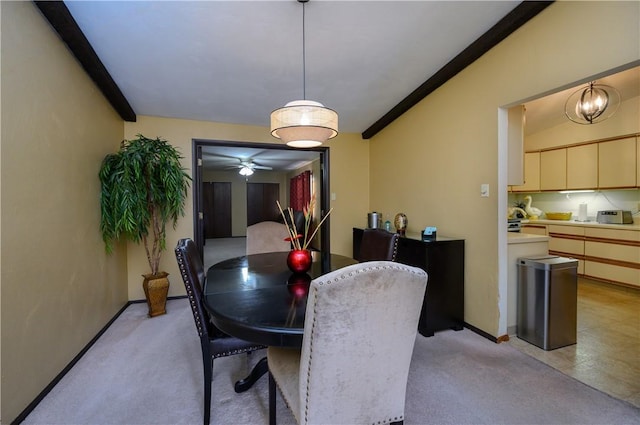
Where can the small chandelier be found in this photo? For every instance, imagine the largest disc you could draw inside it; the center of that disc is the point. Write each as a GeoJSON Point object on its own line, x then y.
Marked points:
{"type": "Point", "coordinates": [592, 104]}
{"type": "Point", "coordinates": [304, 123]}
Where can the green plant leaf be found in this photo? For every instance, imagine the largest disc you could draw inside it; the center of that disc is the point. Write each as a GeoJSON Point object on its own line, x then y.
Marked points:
{"type": "Point", "coordinates": [141, 185]}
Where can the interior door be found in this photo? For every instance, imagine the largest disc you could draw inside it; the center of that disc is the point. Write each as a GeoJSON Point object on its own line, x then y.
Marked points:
{"type": "Point", "coordinates": [216, 202]}
{"type": "Point", "coordinates": [261, 202]}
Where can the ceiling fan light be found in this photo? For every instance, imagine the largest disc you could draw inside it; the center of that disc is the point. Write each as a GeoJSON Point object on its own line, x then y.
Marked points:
{"type": "Point", "coordinates": [246, 171]}
{"type": "Point", "coordinates": [592, 104]}
{"type": "Point", "coordinates": [304, 123]}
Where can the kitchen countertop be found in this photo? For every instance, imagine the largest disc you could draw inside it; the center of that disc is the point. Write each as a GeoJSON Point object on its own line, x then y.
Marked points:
{"type": "Point", "coordinates": [634, 226]}
{"type": "Point", "coordinates": [517, 237]}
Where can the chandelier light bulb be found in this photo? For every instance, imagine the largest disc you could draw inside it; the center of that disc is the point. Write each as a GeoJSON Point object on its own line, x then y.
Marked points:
{"type": "Point", "coordinates": [593, 103]}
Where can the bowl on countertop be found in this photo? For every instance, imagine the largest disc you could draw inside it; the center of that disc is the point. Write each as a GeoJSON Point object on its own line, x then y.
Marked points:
{"type": "Point", "coordinates": [558, 215]}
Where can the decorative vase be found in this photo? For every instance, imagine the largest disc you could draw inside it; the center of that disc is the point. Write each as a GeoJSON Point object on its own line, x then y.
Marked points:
{"type": "Point", "coordinates": [299, 260]}
{"type": "Point", "coordinates": [156, 288]}
{"type": "Point", "coordinates": [400, 221]}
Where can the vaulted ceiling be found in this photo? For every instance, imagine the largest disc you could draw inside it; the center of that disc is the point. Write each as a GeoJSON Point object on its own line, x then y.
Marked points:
{"type": "Point", "coordinates": [236, 61]}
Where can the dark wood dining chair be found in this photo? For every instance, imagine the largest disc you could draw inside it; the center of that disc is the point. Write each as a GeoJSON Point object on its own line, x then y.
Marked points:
{"type": "Point", "coordinates": [332, 380]}
{"type": "Point", "coordinates": [378, 245]}
{"type": "Point", "coordinates": [213, 342]}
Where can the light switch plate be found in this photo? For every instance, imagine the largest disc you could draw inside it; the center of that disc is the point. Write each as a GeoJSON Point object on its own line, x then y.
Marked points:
{"type": "Point", "coordinates": [484, 190]}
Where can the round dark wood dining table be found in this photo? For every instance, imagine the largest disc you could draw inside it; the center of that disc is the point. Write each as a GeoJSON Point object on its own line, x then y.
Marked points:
{"type": "Point", "coordinates": [258, 299]}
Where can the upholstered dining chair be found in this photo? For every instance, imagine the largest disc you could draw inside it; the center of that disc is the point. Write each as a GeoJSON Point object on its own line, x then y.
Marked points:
{"type": "Point", "coordinates": [267, 236]}
{"type": "Point", "coordinates": [213, 342]}
{"type": "Point", "coordinates": [377, 245]}
{"type": "Point", "coordinates": [332, 379]}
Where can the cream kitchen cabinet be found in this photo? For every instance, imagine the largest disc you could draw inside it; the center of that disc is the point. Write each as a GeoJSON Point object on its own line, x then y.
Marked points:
{"type": "Point", "coordinates": [531, 173]}
{"type": "Point", "coordinates": [617, 163]}
{"type": "Point", "coordinates": [567, 241]}
{"type": "Point", "coordinates": [534, 229]}
{"type": "Point", "coordinates": [612, 255]}
{"type": "Point", "coordinates": [553, 169]}
{"type": "Point", "coordinates": [609, 253]}
{"type": "Point", "coordinates": [582, 167]}
{"type": "Point", "coordinates": [638, 161]}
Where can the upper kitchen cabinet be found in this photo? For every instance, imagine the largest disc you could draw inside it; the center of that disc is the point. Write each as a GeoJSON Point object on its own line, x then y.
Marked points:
{"type": "Point", "coordinates": [582, 167]}
{"type": "Point", "coordinates": [553, 169]}
{"type": "Point", "coordinates": [617, 163]}
{"type": "Point", "coordinates": [531, 174]}
{"type": "Point", "coordinates": [515, 142]}
{"type": "Point", "coordinates": [638, 161]}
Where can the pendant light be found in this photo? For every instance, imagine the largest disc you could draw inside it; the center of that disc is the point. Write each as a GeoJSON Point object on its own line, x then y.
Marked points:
{"type": "Point", "coordinates": [304, 123]}
{"type": "Point", "coordinates": [592, 104]}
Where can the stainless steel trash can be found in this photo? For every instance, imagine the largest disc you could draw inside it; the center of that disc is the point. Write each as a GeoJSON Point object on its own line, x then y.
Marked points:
{"type": "Point", "coordinates": [547, 301]}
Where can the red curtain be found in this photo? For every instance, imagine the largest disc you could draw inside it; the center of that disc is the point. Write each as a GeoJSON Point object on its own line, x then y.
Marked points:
{"type": "Point", "coordinates": [300, 191]}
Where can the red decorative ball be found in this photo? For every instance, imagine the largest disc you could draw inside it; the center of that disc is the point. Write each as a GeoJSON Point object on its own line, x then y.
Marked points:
{"type": "Point", "coordinates": [299, 260]}
{"type": "Point", "coordinates": [298, 285]}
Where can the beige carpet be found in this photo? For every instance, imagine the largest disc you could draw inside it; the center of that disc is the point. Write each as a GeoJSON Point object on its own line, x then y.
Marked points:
{"type": "Point", "coordinates": [148, 371]}
{"type": "Point", "coordinates": [216, 250]}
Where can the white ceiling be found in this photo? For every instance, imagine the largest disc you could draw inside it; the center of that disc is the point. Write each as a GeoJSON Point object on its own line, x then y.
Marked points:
{"type": "Point", "coordinates": [229, 158]}
{"type": "Point", "coordinates": [236, 61]}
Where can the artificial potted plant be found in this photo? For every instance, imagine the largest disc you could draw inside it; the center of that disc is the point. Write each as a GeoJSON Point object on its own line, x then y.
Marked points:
{"type": "Point", "coordinates": [144, 187]}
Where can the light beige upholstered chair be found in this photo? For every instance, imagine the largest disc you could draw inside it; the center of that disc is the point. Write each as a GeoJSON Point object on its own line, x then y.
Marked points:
{"type": "Point", "coordinates": [359, 331]}
{"type": "Point", "coordinates": [267, 236]}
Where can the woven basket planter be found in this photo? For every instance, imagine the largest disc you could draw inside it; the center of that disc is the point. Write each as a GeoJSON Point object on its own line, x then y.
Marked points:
{"type": "Point", "coordinates": [156, 288]}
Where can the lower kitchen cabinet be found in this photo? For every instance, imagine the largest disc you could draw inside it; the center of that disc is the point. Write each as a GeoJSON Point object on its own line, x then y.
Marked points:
{"type": "Point", "coordinates": [443, 260]}
{"type": "Point", "coordinates": [606, 254]}
{"type": "Point", "coordinates": [567, 241]}
{"type": "Point", "coordinates": [534, 229]}
{"type": "Point", "coordinates": [612, 255]}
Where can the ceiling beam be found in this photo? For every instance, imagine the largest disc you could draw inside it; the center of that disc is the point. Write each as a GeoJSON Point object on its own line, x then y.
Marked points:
{"type": "Point", "coordinates": [60, 18]}
{"type": "Point", "coordinates": [520, 15]}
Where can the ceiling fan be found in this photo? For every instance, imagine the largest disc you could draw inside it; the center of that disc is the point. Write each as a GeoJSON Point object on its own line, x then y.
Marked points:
{"type": "Point", "coordinates": [247, 167]}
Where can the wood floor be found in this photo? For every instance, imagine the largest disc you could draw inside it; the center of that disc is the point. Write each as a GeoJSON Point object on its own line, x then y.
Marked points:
{"type": "Point", "coordinates": [607, 354]}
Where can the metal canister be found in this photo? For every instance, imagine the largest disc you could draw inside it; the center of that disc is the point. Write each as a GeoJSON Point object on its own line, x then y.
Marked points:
{"type": "Point", "coordinates": [373, 220]}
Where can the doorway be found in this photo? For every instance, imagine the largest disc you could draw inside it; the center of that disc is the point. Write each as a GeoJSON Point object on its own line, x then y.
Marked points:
{"type": "Point", "coordinates": [231, 157]}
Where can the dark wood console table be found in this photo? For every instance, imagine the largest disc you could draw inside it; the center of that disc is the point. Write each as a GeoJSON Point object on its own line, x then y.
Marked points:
{"type": "Point", "coordinates": [443, 260]}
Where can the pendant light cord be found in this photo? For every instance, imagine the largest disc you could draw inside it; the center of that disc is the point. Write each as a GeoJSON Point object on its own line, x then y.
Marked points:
{"type": "Point", "coordinates": [304, 56]}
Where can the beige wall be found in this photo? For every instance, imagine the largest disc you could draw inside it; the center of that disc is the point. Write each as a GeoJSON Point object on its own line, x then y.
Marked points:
{"type": "Point", "coordinates": [431, 162]}
{"type": "Point", "coordinates": [349, 180]}
{"type": "Point", "coordinates": [58, 286]}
